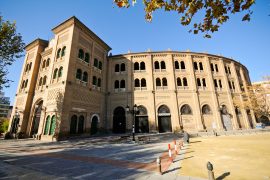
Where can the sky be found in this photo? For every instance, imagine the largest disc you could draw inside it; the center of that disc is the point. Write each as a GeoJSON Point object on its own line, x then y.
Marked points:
{"type": "Point", "coordinates": [127, 30]}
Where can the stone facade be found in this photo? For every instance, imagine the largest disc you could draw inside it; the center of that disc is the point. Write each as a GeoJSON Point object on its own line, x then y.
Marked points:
{"type": "Point", "coordinates": [71, 86]}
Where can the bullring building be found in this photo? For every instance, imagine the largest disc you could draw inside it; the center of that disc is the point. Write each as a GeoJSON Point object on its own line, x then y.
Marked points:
{"type": "Point", "coordinates": [72, 86]}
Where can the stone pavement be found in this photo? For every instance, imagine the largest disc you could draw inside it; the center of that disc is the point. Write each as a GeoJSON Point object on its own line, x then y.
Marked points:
{"type": "Point", "coordinates": [87, 159]}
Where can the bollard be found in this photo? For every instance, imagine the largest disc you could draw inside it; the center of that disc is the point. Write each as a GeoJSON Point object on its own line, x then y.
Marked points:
{"type": "Point", "coordinates": [170, 152]}
{"type": "Point", "coordinates": [175, 147]}
{"type": "Point", "coordinates": [210, 171]}
{"type": "Point", "coordinates": [159, 165]}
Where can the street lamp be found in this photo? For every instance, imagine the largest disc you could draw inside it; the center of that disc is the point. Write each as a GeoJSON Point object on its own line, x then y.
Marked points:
{"type": "Point", "coordinates": [134, 111]}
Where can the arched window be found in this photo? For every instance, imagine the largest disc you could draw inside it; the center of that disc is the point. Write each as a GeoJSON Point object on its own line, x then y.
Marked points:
{"type": "Point", "coordinates": [216, 67]}
{"type": "Point", "coordinates": [122, 84]}
{"type": "Point", "coordinates": [94, 80]}
{"type": "Point", "coordinates": [58, 53]}
{"type": "Point", "coordinates": [100, 65]}
{"type": "Point", "coordinates": [47, 125]}
{"type": "Point", "coordinates": [136, 66]}
{"type": "Point", "coordinates": [40, 81]}
{"type": "Point", "coordinates": [44, 80]}
{"type": "Point", "coordinates": [81, 54]}
{"type": "Point", "coordinates": [215, 83]}
{"type": "Point", "coordinates": [116, 68]}
{"type": "Point", "coordinates": [198, 82]}
{"type": "Point", "coordinates": [79, 74]}
{"type": "Point", "coordinates": [30, 65]}
{"type": "Point", "coordinates": [179, 82]}
{"type": "Point", "coordinates": [85, 76]}
{"type": "Point", "coordinates": [53, 125]}
{"type": "Point", "coordinates": [81, 124]}
{"type": "Point", "coordinates": [163, 65]}
{"type": "Point", "coordinates": [158, 82]}
{"type": "Point", "coordinates": [48, 62]}
{"type": "Point", "coordinates": [164, 82]}
{"type": "Point", "coordinates": [185, 83]}
{"type": "Point", "coordinates": [212, 66]}
{"type": "Point", "coordinates": [163, 109]}
{"type": "Point", "coordinates": [186, 110]}
{"type": "Point", "coordinates": [204, 82]}
{"type": "Point", "coordinates": [237, 111]}
{"type": "Point", "coordinates": [183, 65]}
{"type": "Point", "coordinates": [142, 66]}
{"type": "Point", "coordinates": [27, 66]}
{"type": "Point", "coordinates": [99, 82]}
{"type": "Point", "coordinates": [87, 57]}
{"type": "Point", "coordinates": [116, 84]}
{"type": "Point", "coordinates": [206, 109]}
{"type": "Point", "coordinates": [55, 73]}
{"type": "Point", "coordinates": [142, 111]}
{"type": "Point", "coordinates": [201, 66]}
{"type": "Point", "coordinates": [73, 125]}
{"type": "Point", "coordinates": [230, 85]}
{"type": "Point", "coordinates": [60, 73]}
{"type": "Point", "coordinates": [156, 65]}
{"type": "Point", "coordinates": [195, 65]}
{"type": "Point", "coordinates": [137, 83]}
{"type": "Point", "coordinates": [96, 62]}
{"type": "Point", "coordinates": [22, 86]}
{"type": "Point", "coordinates": [63, 51]}
{"type": "Point", "coordinates": [220, 84]}
{"type": "Point", "coordinates": [233, 85]}
{"type": "Point", "coordinates": [143, 82]}
{"type": "Point", "coordinates": [44, 64]}
{"type": "Point", "coordinates": [229, 70]}
{"type": "Point", "coordinates": [176, 64]}
{"type": "Point", "coordinates": [26, 82]}
{"type": "Point", "coordinates": [123, 67]}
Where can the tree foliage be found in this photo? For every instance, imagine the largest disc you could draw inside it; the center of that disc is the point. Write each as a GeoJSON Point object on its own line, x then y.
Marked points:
{"type": "Point", "coordinates": [11, 47]}
{"type": "Point", "coordinates": [216, 12]}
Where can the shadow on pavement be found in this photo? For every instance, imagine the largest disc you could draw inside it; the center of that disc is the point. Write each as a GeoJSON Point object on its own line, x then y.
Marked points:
{"type": "Point", "coordinates": [223, 176]}
{"type": "Point", "coordinates": [171, 170]}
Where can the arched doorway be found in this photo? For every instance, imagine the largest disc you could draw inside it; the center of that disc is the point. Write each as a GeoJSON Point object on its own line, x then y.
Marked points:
{"type": "Point", "coordinates": [94, 125]}
{"type": "Point", "coordinates": [36, 119]}
{"type": "Point", "coordinates": [119, 120]}
{"type": "Point", "coordinates": [141, 121]}
{"type": "Point", "coordinates": [226, 119]}
{"type": "Point", "coordinates": [81, 124]}
{"type": "Point", "coordinates": [265, 120]}
{"type": "Point", "coordinates": [73, 125]}
{"type": "Point", "coordinates": [164, 119]}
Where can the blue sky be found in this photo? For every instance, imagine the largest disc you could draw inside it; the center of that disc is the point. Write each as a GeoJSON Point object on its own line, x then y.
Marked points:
{"type": "Point", "coordinates": [123, 30]}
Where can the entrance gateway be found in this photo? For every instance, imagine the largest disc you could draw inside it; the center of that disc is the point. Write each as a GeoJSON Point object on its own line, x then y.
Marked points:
{"type": "Point", "coordinates": [164, 119]}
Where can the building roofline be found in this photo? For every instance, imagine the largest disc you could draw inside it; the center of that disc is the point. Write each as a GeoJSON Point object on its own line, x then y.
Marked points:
{"type": "Point", "coordinates": [36, 42]}
{"type": "Point", "coordinates": [77, 21]}
{"type": "Point", "coordinates": [171, 52]}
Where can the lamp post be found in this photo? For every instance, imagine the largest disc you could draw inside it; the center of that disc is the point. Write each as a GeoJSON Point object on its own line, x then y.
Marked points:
{"type": "Point", "coordinates": [134, 111]}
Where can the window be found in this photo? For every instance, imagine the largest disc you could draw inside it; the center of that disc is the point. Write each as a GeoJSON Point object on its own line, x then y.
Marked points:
{"type": "Point", "coordinates": [81, 54]}
{"type": "Point", "coordinates": [143, 82]}
{"type": "Point", "coordinates": [26, 82]}
{"type": "Point", "coordinates": [137, 83]}
{"type": "Point", "coordinates": [163, 65]}
{"type": "Point", "coordinates": [47, 125]}
{"type": "Point", "coordinates": [63, 51]}
{"type": "Point", "coordinates": [233, 85]}
{"type": "Point", "coordinates": [198, 82]}
{"type": "Point", "coordinates": [206, 109]}
{"type": "Point", "coordinates": [79, 74]}
{"type": "Point", "coordinates": [216, 67]}
{"type": "Point", "coordinates": [96, 62]}
{"type": "Point", "coordinates": [230, 85]}
{"type": "Point", "coordinates": [164, 82]}
{"type": "Point", "coordinates": [220, 84]}
{"type": "Point", "coordinates": [183, 65]}
{"type": "Point", "coordinates": [22, 86]}
{"type": "Point", "coordinates": [122, 84]}
{"type": "Point", "coordinates": [204, 82]}
{"type": "Point", "coordinates": [44, 64]}
{"type": "Point", "coordinates": [185, 83]}
{"type": "Point", "coordinates": [58, 53]}
{"type": "Point", "coordinates": [55, 73]}
{"type": "Point", "coordinates": [136, 66]}
{"type": "Point", "coordinates": [85, 76]}
{"type": "Point", "coordinates": [156, 65]}
{"type": "Point", "coordinates": [201, 66]}
{"type": "Point", "coordinates": [212, 67]}
{"type": "Point", "coordinates": [27, 66]}
{"type": "Point", "coordinates": [142, 65]}
{"type": "Point", "coordinates": [123, 67]}
{"type": "Point", "coordinates": [116, 84]}
{"type": "Point", "coordinates": [99, 82]}
{"type": "Point", "coordinates": [215, 83]}
{"type": "Point", "coordinates": [158, 82]}
{"type": "Point", "coordinates": [53, 125]}
{"type": "Point", "coordinates": [176, 64]}
{"type": "Point", "coordinates": [94, 80]}
{"type": "Point", "coordinates": [100, 65]}
{"type": "Point", "coordinates": [40, 81]}
{"type": "Point", "coordinates": [44, 80]}
{"type": "Point", "coordinates": [195, 65]}
{"type": "Point", "coordinates": [30, 65]}
{"type": "Point", "coordinates": [185, 110]}
{"type": "Point", "coordinates": [116, 68]}
{"type": "Point", "coordinates": [60, 73]}
{"type": "Point", "coordinates": [87, 57]}
{"type": "Point", "coordinates": [229, 70]}
{"type": "Point", "coordinates": [226, 71]}
{"type": "Point", "coordinates": [48, 62]}
{"type": "Point", "coordinates": [179, 82]}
